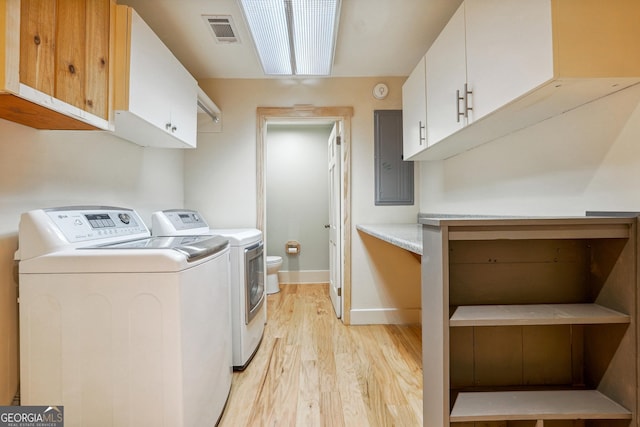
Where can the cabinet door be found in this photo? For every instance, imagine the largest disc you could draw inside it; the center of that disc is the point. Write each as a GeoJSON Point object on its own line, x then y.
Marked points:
{"type": "Point", "coordinates": [184, 101]}
{"type": "Point", "coordinates": [509, 51]}
{"type": "Point", "coordinates": [37, 44]}
{"type": "Point", "coordinates": [98, 21]}
{"type": "Point", "coordinates": [148, 81]}
{"type": "Point", "coordinates": [414, 112]}
{"type": "Point", "coordinates": [446, 74]}
{"type": "Point", "coordinates": [70, 68]}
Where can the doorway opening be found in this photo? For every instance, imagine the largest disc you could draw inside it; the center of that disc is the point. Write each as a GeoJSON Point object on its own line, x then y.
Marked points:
{"type": "Point", "coordinates": [342, 117]}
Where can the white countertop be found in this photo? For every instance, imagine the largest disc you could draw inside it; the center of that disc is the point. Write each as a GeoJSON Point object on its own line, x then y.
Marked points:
{"type": "Point", "coordinates": [405, 236]}
{"type": "Point", "coordinates": [437, 220]}
{"type": "Point", "coordinates": [409, 236]}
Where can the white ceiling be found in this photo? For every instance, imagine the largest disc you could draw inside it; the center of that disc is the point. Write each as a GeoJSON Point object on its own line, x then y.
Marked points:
{"type": "Point", "coordinates": [375, 37]}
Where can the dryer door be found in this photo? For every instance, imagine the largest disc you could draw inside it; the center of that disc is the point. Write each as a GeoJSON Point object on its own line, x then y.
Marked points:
{"type": "Point", "coordinates": [254, 280]}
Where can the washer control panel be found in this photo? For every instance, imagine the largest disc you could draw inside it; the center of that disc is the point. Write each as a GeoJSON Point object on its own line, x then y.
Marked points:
{"type": "Point", "coordinates": [79, 225]}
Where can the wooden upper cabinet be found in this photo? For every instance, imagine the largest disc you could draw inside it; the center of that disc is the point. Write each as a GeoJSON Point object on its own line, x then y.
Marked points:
{"type": "Point", "coordinates": [98, 20]}
{"type": "Point", "coordinates": [57, 70]}
{"type": "Point", "coordinates": [82, 54]}
{"type": "Point", "coordinates": [70, 66]}
{"type": "Point", "coordinates": [37, 44]}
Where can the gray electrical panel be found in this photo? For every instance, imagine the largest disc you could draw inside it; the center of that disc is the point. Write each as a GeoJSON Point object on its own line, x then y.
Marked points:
{"type": "Point", "coordinates": [394, 176]}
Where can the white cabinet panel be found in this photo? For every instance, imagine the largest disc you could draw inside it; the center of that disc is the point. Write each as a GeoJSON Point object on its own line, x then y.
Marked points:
{"type": "Point", "coordinates": [148, 80]}
{"type": "Point", "coordinates": [497, 27]}
{"type": "Point", "coordinates": [414, 112]}
{"type": "Point", "coordinates": [446, 76]}
{"type": "Point", "coordinates": [183, 104]}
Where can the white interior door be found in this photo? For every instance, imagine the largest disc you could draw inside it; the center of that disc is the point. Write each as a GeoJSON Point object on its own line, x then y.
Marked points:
{"type": "Point", "coordinates": [335, 200]}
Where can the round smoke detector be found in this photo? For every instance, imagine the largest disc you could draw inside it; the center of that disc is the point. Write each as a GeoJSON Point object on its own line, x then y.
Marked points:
{"type": "Point", "coordinates": [380, 91]}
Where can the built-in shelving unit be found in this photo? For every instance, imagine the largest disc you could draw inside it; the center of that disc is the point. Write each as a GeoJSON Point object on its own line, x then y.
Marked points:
{"type": "Point", "coordinates": [530, 322]}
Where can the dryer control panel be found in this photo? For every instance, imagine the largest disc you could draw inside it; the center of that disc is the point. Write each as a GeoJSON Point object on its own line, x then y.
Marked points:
{"type": "Point", "coordinates": [173, 222]}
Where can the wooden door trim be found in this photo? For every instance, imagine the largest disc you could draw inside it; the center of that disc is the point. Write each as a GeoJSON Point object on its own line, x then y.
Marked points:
{"type": "Point", "coordinates": [338, 114]}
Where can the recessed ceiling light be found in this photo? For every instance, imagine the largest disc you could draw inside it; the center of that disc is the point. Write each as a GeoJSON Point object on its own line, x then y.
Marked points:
{"type": "Point", "coordinates": [293, 37]}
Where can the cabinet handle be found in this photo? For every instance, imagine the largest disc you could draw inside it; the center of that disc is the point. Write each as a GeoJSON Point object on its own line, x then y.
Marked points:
{"type": "Point", "coordinates": [167, 126]}
{"type": "Point", "coordinates": [173, 129]}
{"type": "Point", "coordinates": [422, 127]}
{"type": "Point", "coordinates": [465, 100]}
{"type": "Point", "coordinates": [467, 92]}
{"type": "Point", "coordinates": [458, 99]}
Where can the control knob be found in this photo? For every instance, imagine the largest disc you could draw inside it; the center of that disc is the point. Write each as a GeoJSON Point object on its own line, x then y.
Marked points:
{"type": "Point", "coordinates": [125, 218]}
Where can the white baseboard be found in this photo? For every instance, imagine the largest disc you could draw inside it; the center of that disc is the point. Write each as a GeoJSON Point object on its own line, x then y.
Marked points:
{"type": "Point", "coordinates": [302, 277]}
{"type": "Point", "coordinates": [386, 316]}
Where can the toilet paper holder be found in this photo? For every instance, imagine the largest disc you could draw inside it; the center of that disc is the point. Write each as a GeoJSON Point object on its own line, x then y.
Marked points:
{"type": "Point", "coordinates": [292, 247]}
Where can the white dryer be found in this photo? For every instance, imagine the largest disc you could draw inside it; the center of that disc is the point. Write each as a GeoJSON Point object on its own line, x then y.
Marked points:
{"type": "Point", "coordinates": [248, 275]}
{"type": "Point", "coordinates": [121, 328]}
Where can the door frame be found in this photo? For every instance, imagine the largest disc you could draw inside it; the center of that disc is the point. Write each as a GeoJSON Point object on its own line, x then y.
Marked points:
{"type": "Point", "coordinates": [306, 112]}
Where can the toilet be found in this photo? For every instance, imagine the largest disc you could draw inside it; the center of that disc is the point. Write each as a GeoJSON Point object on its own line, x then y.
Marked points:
{"type": "Point", "coordinates": [273, 265]}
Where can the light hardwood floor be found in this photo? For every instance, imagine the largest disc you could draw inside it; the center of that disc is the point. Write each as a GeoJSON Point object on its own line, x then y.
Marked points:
{"type": "Point", "coordinates": [311, 370]}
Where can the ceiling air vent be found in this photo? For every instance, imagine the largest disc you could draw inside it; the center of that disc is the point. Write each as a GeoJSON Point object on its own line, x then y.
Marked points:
{"type": "Point", "coordinates": [223, 28]}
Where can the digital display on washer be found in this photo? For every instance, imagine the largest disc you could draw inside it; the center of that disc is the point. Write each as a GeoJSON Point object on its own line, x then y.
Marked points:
{"type": "Point", "coordinates": [100, 220]}
{"type": "Point", "coordinates": [186, 218]}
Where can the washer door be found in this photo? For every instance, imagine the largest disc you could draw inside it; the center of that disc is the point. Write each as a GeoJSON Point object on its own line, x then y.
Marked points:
{"type": "Point", "coordinates": [192, 247]}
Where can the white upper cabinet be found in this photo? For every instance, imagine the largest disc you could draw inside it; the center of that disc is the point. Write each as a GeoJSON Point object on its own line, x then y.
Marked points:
{"type": "Point", "coordinates": [414, 112]}
{"type": "Point", "coordinates": [495, 27]}
{"type": "Point", "coordinates": [501, 65]}
{"type": "Point", "coordinates": [446, 77]}
{"type": "Point", "coordinates": [156, 97]}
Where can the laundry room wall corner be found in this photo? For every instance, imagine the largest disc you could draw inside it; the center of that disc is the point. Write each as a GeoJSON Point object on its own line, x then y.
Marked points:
{"type": "Point", "coordinates": [8, 319]}
{"type": "Point", "coordinates": [41, 169]}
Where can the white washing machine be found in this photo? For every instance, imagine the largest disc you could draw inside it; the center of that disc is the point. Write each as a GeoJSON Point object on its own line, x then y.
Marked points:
{"type": "Point", "coordinates": [121, 328]}
{"type": "Point", "coordinates": [248, 275]}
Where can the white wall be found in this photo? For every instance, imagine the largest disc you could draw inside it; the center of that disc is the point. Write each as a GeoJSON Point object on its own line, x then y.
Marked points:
{"type": "Point", "coordinates": [297, 195]}
{"type": "Point", "coordinates": [586, 159]}
{"type": "Point", "coordinates": [55, 168]}
{"type": "Point", "coordinates": [220, 176]}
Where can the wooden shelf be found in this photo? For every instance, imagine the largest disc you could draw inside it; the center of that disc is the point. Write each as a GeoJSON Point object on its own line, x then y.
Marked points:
{"type": "Point", "coordinates": [535, 314]}
{"type": "Point", "coordinates": [536, 405]}
{"type": "Point", "coordinates": [511, 230]}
